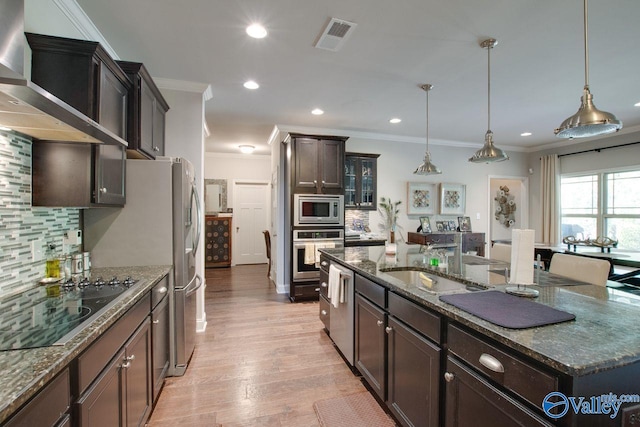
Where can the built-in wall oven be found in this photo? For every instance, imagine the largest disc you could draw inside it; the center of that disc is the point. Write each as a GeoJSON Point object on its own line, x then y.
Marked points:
{"type": "Point", "coordinates": [306, 242]}
{"type": "Point", "coordinates": [318, 210]}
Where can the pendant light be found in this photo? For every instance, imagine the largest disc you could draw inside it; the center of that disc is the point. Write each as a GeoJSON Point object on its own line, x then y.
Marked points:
{"type": "Point", "coordinates": [427, 168]}
{"type": "Point", "coordinates": [588, 121]}
{"type": "Point", "coordinates": [489, 153]}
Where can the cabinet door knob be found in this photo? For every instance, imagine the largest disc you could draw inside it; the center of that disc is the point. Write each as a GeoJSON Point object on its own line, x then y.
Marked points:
{"type": "Point", "coordinates": [317, 289]}
{"type": "Point", "coordinates": [156, 149]}
{"type": "Point", "coordinates": [162, 290]}
{"type": "Point", "coordinates": [125, 365]}
{"type": "Point", "coordinates": [132, 357]}
{"type": "Point", "coordinates": [315, 182]}
{"type": "Point", "coordinates": [380, 322]}
{"type": "Point", "coordinates": [491, 363]}
{"type": "Point", "coordinates": [388, 329]}
{"type": "Point", "coordinates": [323, 312]}
{"type": "Point", "coordinates": [324, 284]}
{"type": "Point", "coordinates": [103, 190]}
{"type": "Point", "coordinates": [155, 322]}
{"type": "Point", "coordinates": [324, 263]}
{"type": "Point", "coordinates": [448, 377]}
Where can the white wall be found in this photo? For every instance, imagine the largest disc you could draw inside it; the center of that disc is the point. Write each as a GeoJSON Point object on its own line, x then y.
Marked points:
{"type": "Point", "coordinates": [236, 166]}
{"type": "Point", "coordinates": [398, 160]}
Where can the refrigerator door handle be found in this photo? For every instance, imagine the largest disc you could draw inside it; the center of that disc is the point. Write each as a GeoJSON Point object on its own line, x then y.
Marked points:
{"type": "Point", "coordinates": [199, 280]}
{"type": "Point", "coordinates": [196, 197]}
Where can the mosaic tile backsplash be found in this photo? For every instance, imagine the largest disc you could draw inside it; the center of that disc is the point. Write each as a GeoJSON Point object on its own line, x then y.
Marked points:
{"type": "Point", "coordinates": [20, 224]}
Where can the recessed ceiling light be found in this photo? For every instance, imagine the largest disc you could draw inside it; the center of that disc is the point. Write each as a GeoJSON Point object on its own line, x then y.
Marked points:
{"type": "Point", "coordinates": [247, 149]}
{"type": "Point", "coordinates": [317, 112]}
{"type": "Point", "coordinates": [637, 104]}
{"type": "Point", "coordinates": [250, 84]}
{"type": "Point", "coordinates": [525, 134]}
{"type": "Point", "coordinates": [395, 120]}
{"type": "Point", "coordinates": [256, 31]}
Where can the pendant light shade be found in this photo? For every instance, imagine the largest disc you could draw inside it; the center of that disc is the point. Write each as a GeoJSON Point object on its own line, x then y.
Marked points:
{"type": "Point", "coordinates": [588, 121]}
{"type": "Point", "coordinates": [427, 168]}
{"type": "Point", "coordinates": [489, 153]}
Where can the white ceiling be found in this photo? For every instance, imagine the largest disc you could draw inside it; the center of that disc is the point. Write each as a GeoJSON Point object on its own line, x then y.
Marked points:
{"type": "Point", "coordinates": [537, 68]}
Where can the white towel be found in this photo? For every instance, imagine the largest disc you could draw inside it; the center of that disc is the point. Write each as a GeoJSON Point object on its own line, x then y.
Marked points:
{"type": "Point", "coordinates": [335, 285]}
{"type": "Point", "coordinates": [309, 253]}
{"type": "Point", "coordinates": [522, 254]}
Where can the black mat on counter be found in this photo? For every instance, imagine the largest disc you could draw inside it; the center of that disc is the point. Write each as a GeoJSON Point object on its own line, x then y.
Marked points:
{"type": "Point", "coordinates": [506, 310]}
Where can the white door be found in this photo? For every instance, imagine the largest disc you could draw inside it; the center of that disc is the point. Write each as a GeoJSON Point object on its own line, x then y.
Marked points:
{"type": "Point", "coordinates": [250, 216]}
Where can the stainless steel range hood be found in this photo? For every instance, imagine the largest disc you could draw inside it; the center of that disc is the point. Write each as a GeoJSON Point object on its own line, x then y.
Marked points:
{"type": "Point", "coordinates": [26, 107]}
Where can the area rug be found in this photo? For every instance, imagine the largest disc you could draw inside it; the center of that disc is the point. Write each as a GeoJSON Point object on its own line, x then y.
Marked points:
{"type": "Point", "coordinates": [354, 410]}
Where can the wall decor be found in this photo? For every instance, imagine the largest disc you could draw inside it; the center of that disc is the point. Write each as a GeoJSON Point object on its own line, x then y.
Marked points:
{"type": "Point", "coordinates": [452, 199]}
{"type": "Point", "coordinates": [505, 207]}
{"type": "Point", "coordinates": [425, 224]}
{"type": "Point", "coordinates": [421, 198]}
{"type": "Point", "coordinates": [464, 223]}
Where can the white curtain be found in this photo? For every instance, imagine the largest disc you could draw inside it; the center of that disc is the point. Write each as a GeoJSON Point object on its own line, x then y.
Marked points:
{"type": "Point", "coordinates": [550, 198]}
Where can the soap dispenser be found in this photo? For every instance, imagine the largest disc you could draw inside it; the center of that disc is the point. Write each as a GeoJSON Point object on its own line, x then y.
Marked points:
{"type": "Point", "coordinates": [53, 262]}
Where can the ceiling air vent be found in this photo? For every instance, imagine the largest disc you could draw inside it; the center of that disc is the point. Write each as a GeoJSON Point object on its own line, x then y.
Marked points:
{"type": "Point", "coordinates": [335, 34]}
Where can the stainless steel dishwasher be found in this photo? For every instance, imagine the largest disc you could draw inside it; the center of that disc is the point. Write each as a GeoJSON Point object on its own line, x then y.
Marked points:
{"type": "Point", "coordinates": [342, 314]}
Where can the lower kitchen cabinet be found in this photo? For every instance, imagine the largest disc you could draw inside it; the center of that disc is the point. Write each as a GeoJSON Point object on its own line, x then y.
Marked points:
{"type": "Point", "coordinates": [370, 344]}
{"type": "Point", "coordinates": [121, 396]}
{"type": "Point", "coordinates": [413, 380]}
{"type": "Point", "coordinates": [160, 343]}
{"type": "Point", "coordinates": [473, 401]}
{"type": "Point", "coordinates": [49, 407]}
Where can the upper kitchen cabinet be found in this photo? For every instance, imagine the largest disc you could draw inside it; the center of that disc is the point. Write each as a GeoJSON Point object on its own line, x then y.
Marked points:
{"type": "Point", "coordinates": [360, 181]}
{"type": "Point", "coordinates": [82, 74]}
{"type": "Point", "coordinates": [147, 110]}
{"type": "Point", "coordinates": [318, 164]}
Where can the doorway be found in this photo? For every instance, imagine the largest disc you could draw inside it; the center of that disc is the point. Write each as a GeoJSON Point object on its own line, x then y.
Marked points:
{"type": "Point", "coordinates": [251, 217]}
{"type": "Point", "coordinates": [508, 206]}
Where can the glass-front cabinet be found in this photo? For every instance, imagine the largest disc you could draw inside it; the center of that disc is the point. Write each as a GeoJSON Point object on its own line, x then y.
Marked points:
{"type": "Point", "coordinates": [360, 181]}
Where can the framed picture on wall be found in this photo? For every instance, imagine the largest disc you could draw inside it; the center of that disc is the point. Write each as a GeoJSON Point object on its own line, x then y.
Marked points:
{"type": "Point", "coordinates": [421, 198]}
{"type": "Point", "coordinates": [452, 199]}
{"type": "Point", "coordinates": [425, 224]}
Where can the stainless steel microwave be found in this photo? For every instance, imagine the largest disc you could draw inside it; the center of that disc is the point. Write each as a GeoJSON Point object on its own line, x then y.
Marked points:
{"type": "Point", "coordinates": [311, 209]}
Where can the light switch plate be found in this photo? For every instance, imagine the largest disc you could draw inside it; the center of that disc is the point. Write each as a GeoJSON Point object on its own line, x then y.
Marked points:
{"type": "Point", "coordinates": [37, 250]}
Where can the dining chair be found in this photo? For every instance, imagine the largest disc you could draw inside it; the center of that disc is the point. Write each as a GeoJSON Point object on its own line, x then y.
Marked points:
{"type": "Point", "coordinates": [501, 252]}
{"type": "Point", "coordinates": [267, 242]}
{"type": "Point", "coordinates": [584, 269]}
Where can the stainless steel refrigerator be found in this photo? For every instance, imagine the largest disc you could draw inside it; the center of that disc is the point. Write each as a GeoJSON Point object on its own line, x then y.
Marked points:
{"type": "Point", "coordinates": [160, 224]}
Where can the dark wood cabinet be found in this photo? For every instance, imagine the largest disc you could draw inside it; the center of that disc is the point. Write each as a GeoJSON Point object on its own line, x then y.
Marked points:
{"type": "Point", "coordinates": [82, 74]}
{"type": "Point", "coordinates": [371, 344]}
{"type": "Point", "coordinates": [147, 110]}
{"type": "Point", "coordinates": [470, 241]}
{"type": "Point", "coordinates": [472, 400]}
{"type": "Point", "coordinates": [318, 164]}
{"type": "Point", "coordinates": [49, 407]}
{"type": "Point", "coordinates": [160, 337]}
{"type": "Point", "coordinates": [360, 181]}
{"type": "Point", "coordinates": [138, 377]}
{"type": "Point", "coordinates": [217, 239]}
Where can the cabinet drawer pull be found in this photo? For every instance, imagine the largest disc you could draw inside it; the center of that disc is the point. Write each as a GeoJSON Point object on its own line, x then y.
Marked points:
{"type": "Point", "coordinates": [324, 263]}
{"type": "Point", "coordinates": [162, 290]}
{"type": "Point", "coordinates": [132, 357]}
{"type": "Point", "coordinates": [155, 322]}
{"type": "Point", "coordinates": [491, 363]}
{"type": "Point", "coordinates": [448, 377]}
{"type": "Point", "coordinates": [125, 365]}
{"type": "Point", "coordinates": [388, 329]}
{"type": "Point", "coordinates": [317, 289]}
{"type": "Point", "coordinates": [324, 284]}
{"type": "Point", "coordinates": [380, 322]}
{"type": "Point", "coordinates": [323, 312]}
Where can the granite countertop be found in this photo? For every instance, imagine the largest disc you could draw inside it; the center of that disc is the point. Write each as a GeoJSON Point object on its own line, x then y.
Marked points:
{"type": "Point", "coordinates": [600, 337]}
{"type": "Point", "coordinates": [24, 372]}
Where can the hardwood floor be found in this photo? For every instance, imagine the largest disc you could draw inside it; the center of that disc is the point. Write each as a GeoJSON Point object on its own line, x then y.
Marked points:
{"type": "Point", "coordinates": [262, 361]}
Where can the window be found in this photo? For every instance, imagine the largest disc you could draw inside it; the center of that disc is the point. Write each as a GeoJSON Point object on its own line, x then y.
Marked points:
{"type": "Point", "coordinates": [605, 204]}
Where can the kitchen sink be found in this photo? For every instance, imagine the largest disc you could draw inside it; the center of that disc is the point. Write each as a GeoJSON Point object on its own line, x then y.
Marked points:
{"type": "Point", "coordinates": [427, 282]}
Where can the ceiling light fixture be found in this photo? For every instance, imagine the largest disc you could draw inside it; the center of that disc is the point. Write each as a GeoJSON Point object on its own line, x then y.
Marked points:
{"type": "Point", "coordinates": [526, 134]}
{"type": "Point", "coordinates": [317, 112]}
{"type": "Point", "coordinates": [588, 121]}
{"type": "Point", "coordinates": [637, 104]}
{"type": "Point", "coordinates": [395, 120]}
{"type": "Point", "coordinates": [489, 153]}
{"type": "Point", "coordinates": [256, 31]}
{"type": "Point", "coordinates": [250, 84]}
{"type": "Point", "coordinates": [247, 149]}
{"type": "Point", "coordinates": [427, 168]}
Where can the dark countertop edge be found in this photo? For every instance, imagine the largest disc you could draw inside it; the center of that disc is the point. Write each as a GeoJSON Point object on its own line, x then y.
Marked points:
{"type": "Point", "coordinates": [63, 355]}
{"type": "Point", "coordinates": [476, 324]}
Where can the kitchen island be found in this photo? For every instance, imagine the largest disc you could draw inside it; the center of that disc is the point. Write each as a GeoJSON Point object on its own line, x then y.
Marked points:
{"type": "Point", "coordinates": [595, 354]}
{"type": "Point", "coordinates": [24, 372]}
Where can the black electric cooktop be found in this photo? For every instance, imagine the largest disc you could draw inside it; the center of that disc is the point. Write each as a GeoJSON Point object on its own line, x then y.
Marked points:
{"type": "Point", "coordinates": [50, 315]}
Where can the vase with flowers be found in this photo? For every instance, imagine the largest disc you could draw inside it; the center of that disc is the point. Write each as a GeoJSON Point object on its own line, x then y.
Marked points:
{"type": "Point", "coordinates": [389, 212]}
